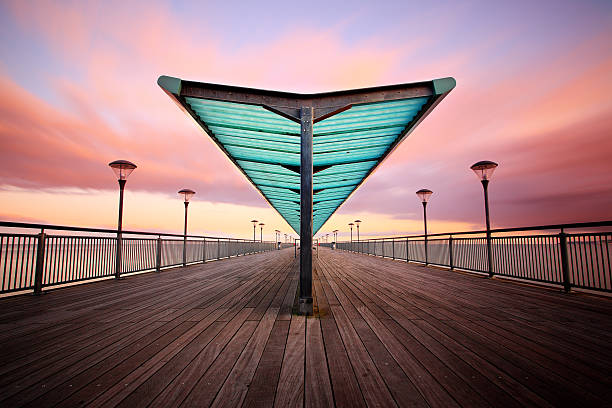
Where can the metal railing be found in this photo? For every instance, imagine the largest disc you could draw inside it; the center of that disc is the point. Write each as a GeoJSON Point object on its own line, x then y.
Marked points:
{"type": "Point", "coordinates": [572, 260]}
{"type": "Point", "coordinates": [32, 261]}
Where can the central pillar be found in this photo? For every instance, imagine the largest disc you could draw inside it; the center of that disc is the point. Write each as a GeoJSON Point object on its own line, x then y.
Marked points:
{"type": "Point", "coordinates": [305, 302]}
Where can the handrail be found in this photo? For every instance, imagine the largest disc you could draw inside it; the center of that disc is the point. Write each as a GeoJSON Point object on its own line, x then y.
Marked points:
{"type": "Point", "coordinates": [572, 260]}
{"type": "Point", "coordinates": [37, 260]}
{"type": "Point", "coordinates": [11, 224]}
{"type": "Point", "coordinates": [593, 224]}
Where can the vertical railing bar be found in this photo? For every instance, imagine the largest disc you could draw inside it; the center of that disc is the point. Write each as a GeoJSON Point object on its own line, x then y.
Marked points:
{"type": "Point", "coordinates": [71, 256]}
{"type": "Point", "coordinates": [10, 270]}
{"type": "Point", "coordinates": [582, 249]}
{"type": "Point", "coordinates": [597, 238]}
{"type": "Point", "coordinates": [538, 259]}
{"type": "Point", "coordinates": [524, 264]}
{"type": "Point", "coordinates": [608, 284]}
{"type": "Point", "coordinates": [4, 268]}
{"type": "Point", "coordinates": [590, 268]}
{"type": "Point", "coordinates": [17, 264]}
{"type": "Point", "coordinates": [60, 262]}
{"type": "Point", "coordinates": [23, 279]}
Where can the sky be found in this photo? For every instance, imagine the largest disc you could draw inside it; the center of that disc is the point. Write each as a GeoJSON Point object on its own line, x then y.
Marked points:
{"type": "Point", "coordinates": [78, 90]}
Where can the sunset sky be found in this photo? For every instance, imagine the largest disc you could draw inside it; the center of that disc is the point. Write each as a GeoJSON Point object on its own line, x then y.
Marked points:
{"type": "Point", "coordinates": [78, 90]}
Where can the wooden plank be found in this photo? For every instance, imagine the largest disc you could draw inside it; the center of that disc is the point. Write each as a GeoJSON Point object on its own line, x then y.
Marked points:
{"type": "Point", "coordinates": [209, 384]}
{"type": "Point", "coordinates": [180, 387]}
{"type": "Point", "coordinates": [290, 390]}
{"type": "Point", "coordinates": [372, 386]}
{"type": "Point", "coordinates": [262, 389]}
{"type": "Point", "coordinates": [318, 386]}
{"type": "Point", "coordinates": [344, 383]}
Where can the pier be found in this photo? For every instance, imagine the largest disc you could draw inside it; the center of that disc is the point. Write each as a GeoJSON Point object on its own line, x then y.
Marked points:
{"type": "Point", "coordinates": [384, 333]}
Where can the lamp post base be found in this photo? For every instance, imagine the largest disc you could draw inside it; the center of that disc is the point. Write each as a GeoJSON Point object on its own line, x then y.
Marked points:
{"type": "Point", "coordinates": [305, 306]}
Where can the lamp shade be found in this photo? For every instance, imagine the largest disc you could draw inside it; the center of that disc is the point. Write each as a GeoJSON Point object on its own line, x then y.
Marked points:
{"type": "Point", "coordinates": [187, 194]}
{"type": "Point", "coordinates": [484, 169]}
{"type": "Point", "coordinates": [424, 194]}
{"type": "Point", "coordinates": [357, 222]}
{"type": "Point", "coordinates": [122, 168]}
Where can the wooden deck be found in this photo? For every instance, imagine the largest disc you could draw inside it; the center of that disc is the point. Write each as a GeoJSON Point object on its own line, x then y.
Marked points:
{"type": "Point", "coordinates": [386, 333]}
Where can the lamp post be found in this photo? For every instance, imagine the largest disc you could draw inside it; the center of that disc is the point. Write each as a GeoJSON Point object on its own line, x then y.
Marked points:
{"type": "Point", "coordinates": [335, 238]}
{"type": "Point", "coordinates": [187, 194]}
{"type": "Point", "coordinates": [351, 225]}
{"type": "Point", "coordinates": [261, 225]}
{"type": "Point", "coordinates": [357, 222]}
{"type": "Point", "coordinates": [254, 227]}
{"type": "Point", "coordinates": [484, 171]}
{"type": "Point", "coordinates": [122, 169]}
{"type": "Point", "coordinates": [285, 238]}
{"type": "Point", "coordinates": [424, 195]}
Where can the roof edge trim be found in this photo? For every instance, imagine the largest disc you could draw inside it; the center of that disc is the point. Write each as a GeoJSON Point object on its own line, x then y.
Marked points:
{"type": "Point", "coordinates": [170, 84]}
{"type": "Point", "coordinates": [444, 85]}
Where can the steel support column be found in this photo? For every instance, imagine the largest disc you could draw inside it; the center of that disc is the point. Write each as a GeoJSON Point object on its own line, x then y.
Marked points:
{"type": "Point", "coordinates": [305, 302]}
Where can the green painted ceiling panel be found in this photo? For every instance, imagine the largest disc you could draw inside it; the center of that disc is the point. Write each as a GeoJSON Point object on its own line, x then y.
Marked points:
{"type": "Point", "coordinates": [266, 146]}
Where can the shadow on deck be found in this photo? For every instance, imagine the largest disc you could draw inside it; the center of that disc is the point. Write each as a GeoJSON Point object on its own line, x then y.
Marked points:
{"type": "Point", "coordinates": [386, 333]}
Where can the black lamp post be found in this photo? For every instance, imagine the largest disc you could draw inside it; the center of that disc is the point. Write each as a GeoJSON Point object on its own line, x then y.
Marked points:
{"type": "Point", "coordinates": [187, 194]}
{"type": "Point", "coordinates": [424, 195]}
{"type": "Point", "coordinates": [254, 227]}
{"type": "Point", "coordinates": [357, 222]}
{"type": "Point", "coordinates": [261, 225]}
{"type": "Point", "coordinates": [335, 238]}
{"type": "Point", "coordinates": [484, 170]}
{"type": "Point", "coordinates": [122, 169]}
{"type": "Point", "coordinates": [351, 225]}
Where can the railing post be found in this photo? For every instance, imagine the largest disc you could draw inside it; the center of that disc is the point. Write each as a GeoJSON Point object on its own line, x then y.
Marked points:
{"type": "Point", "coordinates": [450, 252]}
{"type": "Point", "coordinates": [564, 261]}
{"type": "Point", "coordinates": [383, 248]}
{"type": "Point", "coordinates": [159, 253]}
{"type": "Point", "coordinates": [204, 251]}
{"type": "Point", "coordinates": [40, 263]}
{"type": "Point", "coordinates": [218, 249]}
{"type": "Point", "coordinates": [393, 248]}
{"type": "Point", "coordinates": [407, 257]}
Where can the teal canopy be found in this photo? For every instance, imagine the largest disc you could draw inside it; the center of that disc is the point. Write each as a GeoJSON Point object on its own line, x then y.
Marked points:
{"type": "Point", "coordinates": [353, 132]}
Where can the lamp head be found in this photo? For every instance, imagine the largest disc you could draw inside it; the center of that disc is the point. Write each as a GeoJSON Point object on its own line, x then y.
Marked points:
{"type": "Point", "coordinates": [424, 194]}
{"type": "Point", "coordinates": [122, 168]}
{"type": "Point", "coordinates": [187, 194]}
{"type": "Point", "coordinates": [484, 169]}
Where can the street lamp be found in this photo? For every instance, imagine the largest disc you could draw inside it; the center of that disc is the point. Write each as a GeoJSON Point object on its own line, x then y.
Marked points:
{"type": "Point", "coordinates": [285, 238]}
{"type": "Point", "coordinates": [122, 169]}
{"type": "Point", "coordinates": [357, 222]}
{"type": "Point", "coordinates": [335, 238]}
{"type": "Point", "coordinates": [254, 226]}
{"type": "Point", "coordinates": [424, 195]}
{"type": "Point", "coordinates": [484, 171]}
{"type": "Point", "coordinates": [351, 225]}
{"type": "Point", "coordinates": [261, 225]}
{"type": "Point", "coordinates": [187, 194]}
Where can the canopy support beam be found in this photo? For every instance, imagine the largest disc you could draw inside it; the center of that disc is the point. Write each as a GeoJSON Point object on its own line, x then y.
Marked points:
{"type": "Point", "coordinates": [305, 301]}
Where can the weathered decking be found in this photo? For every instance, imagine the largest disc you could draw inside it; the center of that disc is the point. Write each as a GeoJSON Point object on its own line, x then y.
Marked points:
{"type": "Point", "coordinates": [385, 333]}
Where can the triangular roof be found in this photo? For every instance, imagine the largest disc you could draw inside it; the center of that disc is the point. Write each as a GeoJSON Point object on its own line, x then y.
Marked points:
{"type": "Point", "coordinates": [354, 131]}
